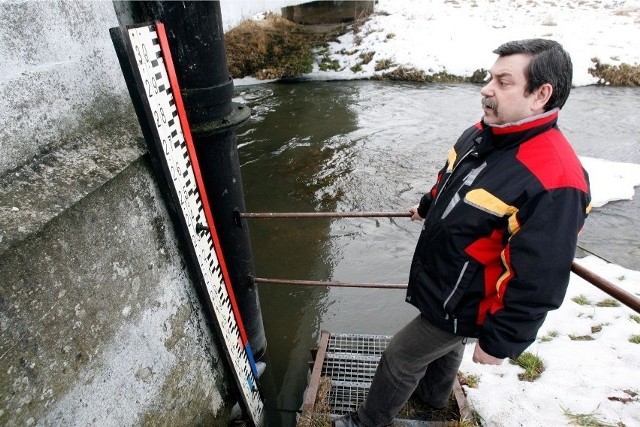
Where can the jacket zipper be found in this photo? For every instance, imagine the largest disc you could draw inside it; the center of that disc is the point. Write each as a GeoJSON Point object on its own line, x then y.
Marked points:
{"type": "Point", "coordinates": [471, 152]}
{"type": "Point", "coordinates": [432, 209]}
{"type": "Point", "coordinates": [446, 181]}
{"type": "Point", "coordinates": [464, 268]}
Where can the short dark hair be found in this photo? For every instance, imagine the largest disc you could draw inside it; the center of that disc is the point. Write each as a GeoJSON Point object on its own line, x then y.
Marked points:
{"type": "Point", "coordinates": [550, 63]}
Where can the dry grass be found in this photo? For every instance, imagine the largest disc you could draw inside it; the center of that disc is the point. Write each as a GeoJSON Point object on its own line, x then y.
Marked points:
{"type": "Point", "coordinates": [550, 335]}
{"type": "Point", "coordinates": [471, 381]}
{"type": "Point", "coordinates": [275, 48]}
{"type": "Point", "coordinates": [587, 420]}
{"type": "Point", "coordinates": [549, 22]}
{"type": "Point", "coordinates": [627, 11]}
{"type": "Point", "coordinates": [581, 300]}
{"type": "Point", "coordinates": [412, 74]}
{"type": "Point", "coordinates": [415, 75]}
{"type": "Point", "coordinates": [574, 337]}
{"type": "Point", "coordinates": [616, 75]}
{"type": "Point", "coordinates": [367, 56]}
{"type": "Point", "coordinates": [320, 417]}
{"type": "Point", "coordinates": [608, 302]}
{"type": "Point", "coordinates": [384, 64]}
{"type": "Point", "coordinates": [414, 410]}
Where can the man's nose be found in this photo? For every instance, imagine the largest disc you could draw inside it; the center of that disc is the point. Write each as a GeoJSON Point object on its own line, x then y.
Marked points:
{"type": "Point", "coordinates": [486, 90]}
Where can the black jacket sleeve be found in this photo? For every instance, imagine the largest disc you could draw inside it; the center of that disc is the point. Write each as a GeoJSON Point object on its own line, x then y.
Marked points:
{"type": "Point", "coordinates": [425, 203]}
{"type": "Point", "coordinates": [537, 261]}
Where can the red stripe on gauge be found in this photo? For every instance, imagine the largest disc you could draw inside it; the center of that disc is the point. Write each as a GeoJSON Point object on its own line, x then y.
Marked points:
{"type": "Point", "coordinates": [186, 130]}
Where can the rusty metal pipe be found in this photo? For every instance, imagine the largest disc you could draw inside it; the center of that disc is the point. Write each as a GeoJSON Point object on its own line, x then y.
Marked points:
{"type": "Point", "coordinates": [328, 284]}
{"type": "Point", "coordinates": [322, 214]}
{"type": "Point", "coordinates": [618, 293]}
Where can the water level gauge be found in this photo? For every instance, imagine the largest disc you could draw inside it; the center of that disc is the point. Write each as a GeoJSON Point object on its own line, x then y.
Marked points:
{"type": "Point", "coordinates": [146, 62]}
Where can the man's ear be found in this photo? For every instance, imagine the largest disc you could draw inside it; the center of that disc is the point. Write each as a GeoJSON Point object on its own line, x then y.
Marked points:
{"type": "Point", "coordinates": [542, 95]}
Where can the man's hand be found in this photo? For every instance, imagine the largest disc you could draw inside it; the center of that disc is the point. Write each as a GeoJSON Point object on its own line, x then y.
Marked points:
{"type": "Point", "coordinates": [415, 216]}
{"type": "Point", "coordinates": [479, 356]}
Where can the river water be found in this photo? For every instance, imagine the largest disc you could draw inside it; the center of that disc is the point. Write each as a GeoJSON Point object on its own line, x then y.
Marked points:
{"type": "Point", "coordinates": [376, 146]}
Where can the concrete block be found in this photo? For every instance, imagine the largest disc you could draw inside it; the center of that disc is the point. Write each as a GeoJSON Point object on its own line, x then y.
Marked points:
{"type": "Point", "coordinates": [100, 322]}
{"type": "Point", "coordinates": [328, 12]}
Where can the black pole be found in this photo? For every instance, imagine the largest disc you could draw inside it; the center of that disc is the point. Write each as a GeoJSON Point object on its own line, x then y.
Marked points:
{"type": "Point", "coordinates": [196, 40]}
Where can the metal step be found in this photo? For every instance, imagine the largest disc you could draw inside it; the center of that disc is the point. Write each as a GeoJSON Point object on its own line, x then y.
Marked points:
{"type": "Point", "coordinates": [343, 368]}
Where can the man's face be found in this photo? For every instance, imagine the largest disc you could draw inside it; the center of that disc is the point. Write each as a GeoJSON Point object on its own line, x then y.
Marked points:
{"type": "Point", "coordinates": [504, 97]}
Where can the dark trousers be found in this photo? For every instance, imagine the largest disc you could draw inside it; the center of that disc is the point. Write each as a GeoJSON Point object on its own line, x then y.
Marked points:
{"type": "Point", "coordinates": [420, 358]}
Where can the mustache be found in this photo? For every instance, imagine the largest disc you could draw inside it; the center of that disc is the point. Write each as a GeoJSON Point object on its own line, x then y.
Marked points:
{"type": "Point", "coordinates": [488, 102]}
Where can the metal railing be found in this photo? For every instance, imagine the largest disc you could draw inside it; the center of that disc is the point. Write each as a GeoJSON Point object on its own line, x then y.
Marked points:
{"type": "Point", "coordinates": [603, 284]}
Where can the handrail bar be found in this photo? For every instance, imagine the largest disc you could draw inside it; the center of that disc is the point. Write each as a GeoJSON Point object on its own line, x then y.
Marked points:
{"type": "Point", "coordinates": [322, 214]}
{"type": "Point", "coordinates": [328, 284]}
{"type": "Point", "coordinates": [618, 293]}
{"type": "Point", "coordinates": [603, 284]}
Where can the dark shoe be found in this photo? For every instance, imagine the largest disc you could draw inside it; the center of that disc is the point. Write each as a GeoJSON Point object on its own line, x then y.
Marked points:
{"type": "Point", "coordinates": [349, 420]}
{"type": "Point", "coordinates": [417, 402]}
{"type": "Point", "coordinates": [420, 410]}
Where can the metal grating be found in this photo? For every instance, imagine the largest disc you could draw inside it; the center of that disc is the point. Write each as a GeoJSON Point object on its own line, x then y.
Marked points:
{"type": "Point", "coordinates": [372, 345]}
{"type": "Point", "coordinates": [350, 362]}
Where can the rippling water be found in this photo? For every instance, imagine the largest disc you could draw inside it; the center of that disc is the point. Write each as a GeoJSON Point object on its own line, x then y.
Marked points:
{"type": "Point", "coordinates": [376, 146]}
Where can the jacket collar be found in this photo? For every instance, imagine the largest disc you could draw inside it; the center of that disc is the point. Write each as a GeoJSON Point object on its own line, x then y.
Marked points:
{"type": "Point", "coordinates": [527, 123]}
{"type": "Point", "coordinates": [511, 134]}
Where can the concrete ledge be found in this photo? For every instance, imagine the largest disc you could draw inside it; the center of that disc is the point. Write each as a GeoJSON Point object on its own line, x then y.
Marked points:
{"type": "Point", "coordinates": [100, 322]}
{"type": "Point", "coordinates": [328, 12]}
{"type": "Point", "coordinates": [37, 192]}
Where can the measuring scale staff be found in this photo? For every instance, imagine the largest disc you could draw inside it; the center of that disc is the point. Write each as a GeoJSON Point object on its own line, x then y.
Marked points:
{"type": "Point", "coordinates": [191, 153]}
{"type": "Point", "coordinates": [171, 129]}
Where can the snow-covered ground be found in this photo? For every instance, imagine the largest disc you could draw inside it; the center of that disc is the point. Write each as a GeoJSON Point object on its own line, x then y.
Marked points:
{"type": "Point", "coordinates": [458, 36]}
{"type": "Point", "coordinates": [591, 367]}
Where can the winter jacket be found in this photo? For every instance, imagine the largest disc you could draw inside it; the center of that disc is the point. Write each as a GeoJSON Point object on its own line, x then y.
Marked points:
{"type": "Point", "coordinates": [500, 233]}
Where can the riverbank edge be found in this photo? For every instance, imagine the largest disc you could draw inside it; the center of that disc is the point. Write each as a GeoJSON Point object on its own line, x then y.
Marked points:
{"type": "Point", "coordinates": [271, 48]}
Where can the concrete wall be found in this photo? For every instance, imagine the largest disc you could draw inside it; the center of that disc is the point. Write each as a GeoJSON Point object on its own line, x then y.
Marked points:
{"type": "Point", "coordinates": [328, 12]}
{"type": "Point", "coordinates": [99, 322]}
{"type": "Point", "coordinates": [59, 75]}
{"type": "Point", "coordinates": [235, 11]}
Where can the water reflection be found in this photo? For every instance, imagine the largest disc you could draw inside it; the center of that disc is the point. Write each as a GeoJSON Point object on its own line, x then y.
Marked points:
{"type": "Point", "coordinates": [376, 146]}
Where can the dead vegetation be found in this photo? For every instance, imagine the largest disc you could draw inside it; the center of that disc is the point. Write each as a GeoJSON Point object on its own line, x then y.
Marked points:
{"type": "Point", "coordinates": [276, 48]}
{"type": "Point", "coordinates": [416, 410]}
{"type": "Point", "coordinates": [320, 417]}
{"type": "Point", "coordinates": [413, 410]}
{"type": "Point", "coordinates": [415, 75]}
{"type": "Point", "coordinates": [615, 75]}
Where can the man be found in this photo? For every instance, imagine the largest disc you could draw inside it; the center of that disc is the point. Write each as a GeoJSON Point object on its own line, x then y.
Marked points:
{"type": "Point", "coordinates": [499, 235]}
